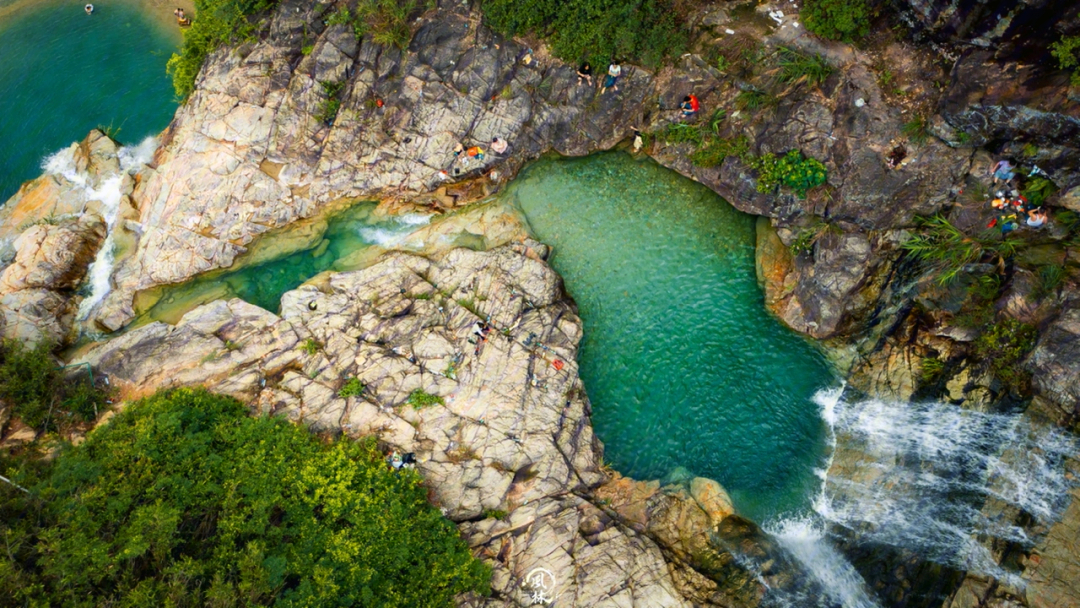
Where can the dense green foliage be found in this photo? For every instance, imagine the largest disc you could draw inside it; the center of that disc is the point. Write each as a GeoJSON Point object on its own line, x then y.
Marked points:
{"type": "Point", "coordinates": [420, 399]}
{"type": "Point", "coordinates": [1002, 346]}
{"type": "Point", "coordinates": [645, 31]}
{"type": "Point", "coordinates": [792, 170]}
{"type": "Point", "coordinates": [387, 21]}
{"type": "Point", "coordinates": [353, 388]}
{"type": "Point", "coordinates": [43, 395]}
{"type": "Point", "coordinates": [1037, 189]}
{"type": "Point", "coordinates": [215, 23]}
{"type": "Point", "coordinates": [1067, 52]}
{"type": "Point", "coordinates": [185, 500]}
{"type": "Point", "coordinates": [846, 20]}
{"type": "Point", "coordinates": [947, 249]}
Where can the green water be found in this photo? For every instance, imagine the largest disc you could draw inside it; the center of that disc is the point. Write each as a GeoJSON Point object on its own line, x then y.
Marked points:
{"type": "Point", "coordinates": [63, 73]}
{"type": "Point", "coordinates": [340, 246]}
{"type": "Point", "coordinates": [683, 365]}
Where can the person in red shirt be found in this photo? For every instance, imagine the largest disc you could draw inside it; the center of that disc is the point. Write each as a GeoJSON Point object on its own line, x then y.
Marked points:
{"type": "Point", "coordinates": [689, 105]}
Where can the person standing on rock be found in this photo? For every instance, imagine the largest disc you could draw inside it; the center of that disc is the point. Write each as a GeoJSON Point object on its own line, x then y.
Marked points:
{"type": "Point", "coordinates": [613, 72]}
{"type": "Point", "coordinates": [499, 145]}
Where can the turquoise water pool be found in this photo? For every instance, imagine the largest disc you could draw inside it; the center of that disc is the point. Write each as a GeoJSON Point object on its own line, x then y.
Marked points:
{"type": "Point", "coordinates": [63, 73]}
{"type": "Point", "coordinates": [683, 365]}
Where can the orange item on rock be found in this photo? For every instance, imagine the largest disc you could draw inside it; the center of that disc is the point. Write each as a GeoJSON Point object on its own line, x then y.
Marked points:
{"type": "Point", "coordinates": [558, 364]}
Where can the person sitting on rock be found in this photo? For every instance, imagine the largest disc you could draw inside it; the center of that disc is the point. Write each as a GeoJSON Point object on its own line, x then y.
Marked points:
{"type": "Point", "coordinates": [1003, 171]}
{"type": "Point", "coordinates": [584, 74]}
{"type": "Point", "coordinates": [896, 157]}
{"type": "Point", "coordinates": [1036, 218]}
{"type": "Point", "coordinates": [613, 72]}
{"type": "Point", "coordinates": [499, 145]}
{"type": "Point", "coordinates": [689, 106]}
{"type": "Point", "coordinates": [639, 142]}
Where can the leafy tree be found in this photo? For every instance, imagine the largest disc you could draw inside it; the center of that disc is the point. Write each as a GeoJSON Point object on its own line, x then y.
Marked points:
{"type": "Point", "coordinates": [42, 396]}
{"type": "Point", "coordinates": [599, 30]}
{"type": "Point", "coordinates": [1067, 52]}
{"type": "Point", "coordinates": [215, 23]}
{"type": "Point", "coordinates": [846, 20]}
{"type": "Point", "coordinates": [184, 500]}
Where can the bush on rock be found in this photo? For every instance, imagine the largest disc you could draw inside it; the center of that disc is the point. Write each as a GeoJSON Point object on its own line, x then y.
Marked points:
{"type": "Point", "coordinates": [846, 20]}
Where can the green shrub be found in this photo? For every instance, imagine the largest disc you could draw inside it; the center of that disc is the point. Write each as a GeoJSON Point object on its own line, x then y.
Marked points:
{"type": "Point", "coordinates": [944, 247]}
{"type": "Point", "coordinates": [1003, 346]}
{"type": "Point", "coordinates": [215, 23]}
{"type": "Point", "coordinates": [930, 369]}
{"type": "Point", "coordinates": [1048, 279]}
{"type": "Point", "coordinates": [846, 20]}
{"type": "Point", "coordinates": [328, 110]}
{"type": "Point", "coordinates": [792, 170]}
{"type": "Point", "coordinates": [1038, 189]}
{"type": "Point", "coordinates": [420, 399]}
{"type": "Point", "coordinates": [714, 151]}
{"type": "Point", "coordinates": [795, 66]}
{"type": "Point", "coordinates": [644, 31]}
{"type": "Point", "coordinates": [185, 500]}
{"type": "Point", "coordinates": [310, 346]}
{"type": "Point", "coordinates": [681, 133]}
{"type": "Point", "coordinates": [352, 388]}
{"type": "Point", "coordinates": [754, 100]}
{"type": "Point", "coordinates": [42, 395]}
{"type": "Point", "coordinates": [495, 514]}
{"type": "Point", "coordinates": [1067, 52]}
{"type": "Point", "coordinates": [917, 130]}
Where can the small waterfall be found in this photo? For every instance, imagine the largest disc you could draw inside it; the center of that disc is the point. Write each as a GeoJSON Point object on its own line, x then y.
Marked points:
{"type": "Point", "coordinates": [916, 476]}
{"type": "Point", "coordinates": [392, 232]}
{"type": "Point", "coordinates": [109, 192]}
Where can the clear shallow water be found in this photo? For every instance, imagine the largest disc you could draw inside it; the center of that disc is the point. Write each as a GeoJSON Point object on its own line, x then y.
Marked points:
{"type": "Point", "coordinates": [347, 234]}
{"type": "Point", "coordinates": [683, 365]}
{"type": "Point", "coordinates": [63, 73]}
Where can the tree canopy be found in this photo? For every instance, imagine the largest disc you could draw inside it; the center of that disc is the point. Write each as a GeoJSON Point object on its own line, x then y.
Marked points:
{"type": "Point", "coordinates": [185, 500]}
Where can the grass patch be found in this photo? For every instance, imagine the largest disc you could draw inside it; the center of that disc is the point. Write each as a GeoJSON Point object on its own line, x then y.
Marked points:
{"type": "Point", "coordinates": [495, 514]}
{"type": "Point", "coordinates": [752, 99]}
{"type": "Point", "coordinates": [310, 346]}
{"type": "Point", "coordinates": [421, 399]}
{"type": "Point", "coordinates": [353, 388]}
{"type": "Point", "coordinates": [930, 369]}
{"type": "Point", "coordinates": [328, 109]}
{"type": "Point", "coordinates": [917, 130]}
{"type": "Point", "coordinates": [796, 67]}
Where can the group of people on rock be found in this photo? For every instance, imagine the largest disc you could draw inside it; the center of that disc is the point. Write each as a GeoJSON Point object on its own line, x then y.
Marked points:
{"type": "Point", "coordinates": [584, 74]}
{"type": "Point", "coordinates": [1012, 209]}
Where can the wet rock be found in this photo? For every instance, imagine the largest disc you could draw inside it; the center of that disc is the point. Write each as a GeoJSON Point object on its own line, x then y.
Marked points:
{"type": "Point", "coordinates": [1055, 362]}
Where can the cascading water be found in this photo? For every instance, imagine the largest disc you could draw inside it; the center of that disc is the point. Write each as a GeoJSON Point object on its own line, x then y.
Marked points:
{"type": "Point", "coordinates": [916, 476]}
{"type": "Point", "coordinates": [920, 473]}
{"type": "Point", "coordinates": [108, 191]}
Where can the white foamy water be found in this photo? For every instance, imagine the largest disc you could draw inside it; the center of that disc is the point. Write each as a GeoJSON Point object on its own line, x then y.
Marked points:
{"type": "Point", "coordinates": [920, 473]}
{"type": "Point", "coordinates": [805, 538]}
{"type": "Point", "coordinates": [395, 230]}
{"type": "Point", "coordinates": [109, 192]}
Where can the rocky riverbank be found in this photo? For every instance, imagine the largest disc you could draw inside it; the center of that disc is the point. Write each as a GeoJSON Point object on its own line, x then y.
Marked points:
{"type": "Point", "coordinates": [510, 452]}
